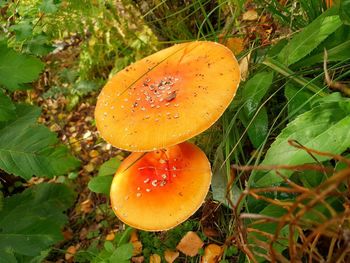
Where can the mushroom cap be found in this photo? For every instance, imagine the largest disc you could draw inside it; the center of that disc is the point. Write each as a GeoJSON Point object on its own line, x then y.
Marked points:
{"type": "Point", "coordinates": [168, 97]}
{"type": "Point", "coordinates": [158, 190]}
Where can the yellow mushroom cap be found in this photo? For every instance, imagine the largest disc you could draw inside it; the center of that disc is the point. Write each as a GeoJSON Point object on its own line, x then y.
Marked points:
{"type": "Point", "coordinates": [168, 97]}
{"type": "Point", "coordinates": [158, 190]}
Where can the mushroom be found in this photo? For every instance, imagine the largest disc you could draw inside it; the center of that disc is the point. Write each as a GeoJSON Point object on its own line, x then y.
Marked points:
{"type": "Point", "coordinates": [168, 97]}
{"type": "Point", "coordinates": [158, 190]}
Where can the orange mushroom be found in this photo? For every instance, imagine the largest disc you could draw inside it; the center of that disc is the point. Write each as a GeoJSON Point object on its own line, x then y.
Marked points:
{"type": "Point", "coordinates": [158, 190]}
{"type": "Point", "coordinates": [168, 97]}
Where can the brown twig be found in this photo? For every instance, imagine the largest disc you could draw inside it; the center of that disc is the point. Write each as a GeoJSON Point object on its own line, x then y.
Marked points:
{"type": "Point", "coordinates": [335, 85]}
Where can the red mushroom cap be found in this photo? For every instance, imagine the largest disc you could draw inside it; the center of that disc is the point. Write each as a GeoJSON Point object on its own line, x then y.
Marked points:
{"type": "Point", "coordinates": [168, 97]}
{"type": "Point", "coordinates": [158, 190]}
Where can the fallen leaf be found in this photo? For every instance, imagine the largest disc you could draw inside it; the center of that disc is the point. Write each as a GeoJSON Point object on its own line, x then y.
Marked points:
{"type": "Point", "coordinates": [212, 254]}
{"type": "Point", "coordinates": [110, 236]}
{"type": "Point", "coordinates": [133, 236]}
{"type": "Point", "coordinates": [89, 167]}
{"type": "Point", "coordinates": [244, 67]}
{"type": "Point", "coordinates": [171, 255]}
{"type": "Point", "coordinates": [190, 244]}
{"type": "Point", "coordinates": [67, 234]}
{"type": "Point", "coordinates": [94, 153]}
{"type": "Point", "coordinates": [86, 206]}
{"type": "Point", "coordinates": [70, 253]}
{"type": "Point", "coordinates": [155, 258]}
{"type": "Point", "coordinates": [134, 240]}
{"type": "Point", "coordinates": [235, 44]}
{"type": "Point", "coordinates": [139, 259]}
{"type": "Point", "coordinates": [210, 232]}
{"type": "Point", "coordinates": [250, 15]}
{"type": "Point", "coordinates": [137, 248]}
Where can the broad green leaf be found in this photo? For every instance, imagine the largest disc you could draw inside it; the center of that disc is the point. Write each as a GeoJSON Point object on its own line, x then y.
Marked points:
{"type": "Point", "coordinates": [299, 100]}
{"type": "Point", "coordinates": [101, 184]}
{"type": "Point", "coordinates": [84, 87]}
{"type": "Point", "coordinates": [337, 53]}
{"type": "Point", "coordinates": [28, 149]}
{"type": "Point", "coordinates": [341, 165]}
{"type": "Point", "coordinates": [23, 30]}
{"type": "Point", "coordinates": [122, 254]}
{"type": "Point", "coordinates": [110, 167]}
{"type": "Point", "coordinates": [254, 90]}
{"type": "Point", "coordinates": [270, 228]}
{"type": "Point", "coordinates": [311, 179]}
{"type": "Point", "coordinates": [310, 37]}
{"type": "Point", "coordinates": [258, 128]}
{"type": "Point", "coordinates": [324, 128]}
{"type": "Point", "coordinates": [290, 74]}
{"type": "Point", "coordinates": [7, 108]}
{"type": "Point", "coordinates": [17, 69]}
{"type": "Point", "coordinates": [48, 6]}
{"type": "Point", "coordinates": [219, 182]}
{"type": "Point", "coordinates": [30, 222]}
{"type": "Point", "coordinates": [344, 11]}
{"type": "Point", "coordinates": [37, 259]}
{"type": "Point", "coordinates": [38, 45]}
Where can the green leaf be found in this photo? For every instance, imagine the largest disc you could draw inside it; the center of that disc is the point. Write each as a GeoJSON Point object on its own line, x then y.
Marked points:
{"type": "Point", "coordinates": [299, 100]}
{"type": "Point", "coordinates": [28, 149]}
{"type": "Point", "coordinates": [101, 184]}
{"type": "Point", "coordinates": [258, 128]}
{"type": "Point", "coordinates": [341, 165]}
{"type": "Point", "coordinates": [337, 53]}
{"type": "Point", "coordinates": [30, 222]}
{"type": "Point", "coordinates": [48, 6]}
{"type": "Point", "coordinates": [122, 254]}
{"type": "Point", "coordinates": [344, 11]}
{"type": "Point", "coordinates": [17, 69]}
{"type": "Point", "coordinates": [38, 45]}
{"type": "Point", "coordinates": [23, 30]}
{"type": "Point", "coordinates": [7, 108]}
{"type": "Point", "coordinates": [254, 90]}
{"type": "Point", "coordinates": [84, 87]}
{"type": "Point", "coordinates": [324, 128]}
{"type": "Point", "coordinates": [310, 37]}
{"type": "Point", "coordinates": [311, 179]}
{"type": "Point", "coordinates": [219, 182]}
{"type": "Point", "coordinates": [270, 228]}
{"type": "Point", "coordinates": [110, 167]}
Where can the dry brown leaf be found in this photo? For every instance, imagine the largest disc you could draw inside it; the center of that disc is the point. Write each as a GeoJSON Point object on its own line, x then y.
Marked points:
{"type": "Point", "coordinates": [235, 44]}
{"type": "Point", "coordinates": [70, 252]}
{"type": "Point", "coordinates": [134, 239]}
{"type": "Point", "coordinates": [139, 259]}
{"type": "Point", "coordinates": [171, 255]}
{"type": "Point", "coordinates": [210, 232]}
{"type": "Point", "coordinates": [110, 236]}
{"type": "Point", "coordinates": [155, 258]}
{"type": "Point", "coordinates": [244, 67]}
{"type": "Point", "coordinates": [89, 167]}
{"type": "Point", "coordinates": [137, 248]}
{"type": "Point", "coordinates": [86, 206]}
{"type": "Point", "coordinates": [250, 15]}
{"type": "Point", "coordinates": [212, 254]}
{"type": "Point", "coordinates": [190, 244]}
{"type": "Point", "coordinates": [94, 153]}
{"type": "Point", "coordinates": [67, 234]}
{"type": "Point", "coordinates": [133, 236]}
